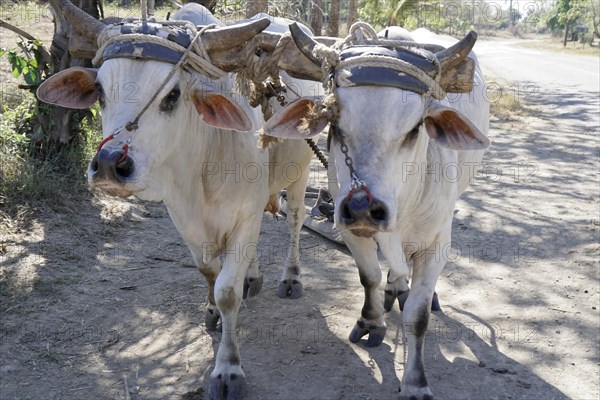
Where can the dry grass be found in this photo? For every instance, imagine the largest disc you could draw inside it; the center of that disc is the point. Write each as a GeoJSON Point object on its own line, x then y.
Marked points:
{"type": "Point", "coordinates": [546, 42]}
{"type": "Point", "coordinates": [507, 107]}
{"type": "Point", "coordinates": [34, 176]}
{"type": "Point", "coordinates": [504, 104]}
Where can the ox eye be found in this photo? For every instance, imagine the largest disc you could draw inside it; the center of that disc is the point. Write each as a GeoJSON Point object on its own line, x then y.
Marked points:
{"type": "Point", "coordinates": [170, 100]}
{"type": "Point", "coordinates": [101, 99]}
{"type": "Point", "coordinates": [412, 134]}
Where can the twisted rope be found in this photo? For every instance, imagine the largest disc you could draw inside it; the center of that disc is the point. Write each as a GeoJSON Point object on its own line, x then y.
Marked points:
{"type": "Point", "coordinates": [260, 79]}
{"type": "Point", "coordinates": [361, 33]}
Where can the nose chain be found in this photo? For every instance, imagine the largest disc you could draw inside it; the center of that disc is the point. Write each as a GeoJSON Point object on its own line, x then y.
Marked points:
{"type": "Point", "coordinates": [356, 183]}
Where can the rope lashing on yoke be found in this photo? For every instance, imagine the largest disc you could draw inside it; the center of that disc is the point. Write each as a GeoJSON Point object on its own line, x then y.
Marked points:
{"type": "Point", "coordinates": [260, 80]}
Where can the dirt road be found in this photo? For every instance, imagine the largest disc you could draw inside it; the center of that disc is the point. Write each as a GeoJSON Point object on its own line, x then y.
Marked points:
{"type": "Point", "coordinates": [547, 69]}
{"type": "Point", "coordinates": [104, 296]}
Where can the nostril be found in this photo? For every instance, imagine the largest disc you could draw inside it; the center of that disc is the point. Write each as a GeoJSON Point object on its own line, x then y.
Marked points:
{"type": "Point", "coordinates": [94, 165]}
{"type": "Point", "coordinates": [346, 213]}
{"type": "Point", "coordinates": [379, 213]}
{"type": "Point", "coordinates": [125, 169]}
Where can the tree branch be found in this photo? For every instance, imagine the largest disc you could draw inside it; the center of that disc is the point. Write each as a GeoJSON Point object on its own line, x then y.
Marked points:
{"type": "Point", "coordinates": [45, 55]}
{"type": "Point", "coordinates": [18, 31]}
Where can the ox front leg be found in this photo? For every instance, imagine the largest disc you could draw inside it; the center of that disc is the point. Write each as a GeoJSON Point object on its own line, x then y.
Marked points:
{"type": "Point", "coordinates": [415, 317]}
{"type": "Point", "coordinates": [371, 320]}
{"type": "Point", "coordinates": [290, 284]}
{"type": "Point", "coordinates": [227, 380]}
{"type": "Point", "coordinates": [396, 287]}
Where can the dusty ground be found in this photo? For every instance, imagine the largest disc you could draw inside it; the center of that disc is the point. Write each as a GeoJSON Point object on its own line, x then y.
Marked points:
{"type": "Point", "coordinates": [105, 295]}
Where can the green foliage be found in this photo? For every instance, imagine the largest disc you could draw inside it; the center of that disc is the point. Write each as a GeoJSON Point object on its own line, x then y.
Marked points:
{"type": "Point", "coordinates": [27, 62]}
{"type": "Point", "coordinates": [382, 13]}
{"type": "Point", "coordinates": [234, 10]}
{"type": "Point", "coordinates": [230, 10]}
{"type": "Point", "coordinates": [568, 12]}
{"type": "Point", "coordinates": [36, 170]}
{"type": "Point", "coordinates": [431, 14]}
{"type": "Point", "coordinates": [39, 175]}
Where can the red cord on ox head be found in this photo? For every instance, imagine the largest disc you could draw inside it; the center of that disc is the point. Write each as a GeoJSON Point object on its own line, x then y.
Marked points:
{"type": "Point", "coordinates": [124, 155]}
{"type": "Point", "coordinates": [362, 187]}
{"type": "Point", "coordinates": [107, 139]}
{"type": "Point", "coordinates": [103, 142]}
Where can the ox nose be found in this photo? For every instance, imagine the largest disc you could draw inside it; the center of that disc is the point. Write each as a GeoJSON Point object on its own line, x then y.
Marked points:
{"type": "Point", "coordinates": [107, 165]}
{"type": "Point", "coordinates": [362, 208]}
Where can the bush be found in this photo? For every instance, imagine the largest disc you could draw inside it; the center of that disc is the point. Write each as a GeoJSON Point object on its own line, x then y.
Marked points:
{"type": "Point", "coordinates": [35, 174]}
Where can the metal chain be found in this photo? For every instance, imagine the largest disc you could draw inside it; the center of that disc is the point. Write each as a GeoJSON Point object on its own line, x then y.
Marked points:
{"type": "Point", "coordinates": [318, 153]}
{"type": "Point", "coordinates": [356, 182]}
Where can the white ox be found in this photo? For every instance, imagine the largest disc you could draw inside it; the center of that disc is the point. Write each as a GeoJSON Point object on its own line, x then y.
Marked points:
{"type": "Point", "coordinates": [194, 149]}
{"type": "Point", "coordinates": [396, 135]}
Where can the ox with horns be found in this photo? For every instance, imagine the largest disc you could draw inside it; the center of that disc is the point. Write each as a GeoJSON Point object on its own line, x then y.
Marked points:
{"type": "Point", "coordinates": [180, 133]}
{"type": "Point", "coordinates": [392, 125]}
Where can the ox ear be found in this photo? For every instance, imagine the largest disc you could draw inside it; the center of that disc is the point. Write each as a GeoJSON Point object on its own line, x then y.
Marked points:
{"type": "Point", "coordinates": [290, 122]}
{"type": "Point", "coordinates": [72, 88]}
{"type": "Point", "coordinates": [449, 128]}
{"type": "Point", "coordinates": [220, 111]}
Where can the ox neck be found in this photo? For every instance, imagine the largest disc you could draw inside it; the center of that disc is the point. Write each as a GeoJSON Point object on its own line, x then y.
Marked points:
{"type": "Point", "coordinates": [210, 158]}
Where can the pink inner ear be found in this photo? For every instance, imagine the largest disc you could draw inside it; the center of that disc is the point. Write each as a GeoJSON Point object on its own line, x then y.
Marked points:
{"type": "Point", "coordinates": [450, 129]}
{"type": "Point", "coordinates": [287, 121]}
{"type": "Point", "coordinates": [221, 112]}
{"type": "Point", "coordinates": [71, 88]}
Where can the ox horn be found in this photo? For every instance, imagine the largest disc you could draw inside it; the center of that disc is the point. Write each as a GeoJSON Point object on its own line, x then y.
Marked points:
{"type": "Point", "coordinates": [226, 45]}
{"type": "Point", "coordinates": [453, 55]}
{"type": "Point", "coordinates": [83, 23]}
{"type": "Point", "coordinates": [224, 38]}
{"type": "Point", "coordinates": [297, 59]}
{"type": "Point", "coordinates": [305, 43]}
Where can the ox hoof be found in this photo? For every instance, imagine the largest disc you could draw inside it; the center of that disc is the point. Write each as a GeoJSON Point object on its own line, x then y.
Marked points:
{"type": "Point", "coordinates": [252, 286]}
{"type": "Point", "coordinates": [227, 387]}
{"type": "Point", "coordinates": [435, 304]}
{"type": "Point", "coordinates": [390, 297]}
{"type": "Point", "coordinates": [402, 296]}
{"type": "Point", "coordinates": [211, 319]}
{"type": "Point", "coordinates": [424, 397]}
{"type": "Point", "coordinates": [290, 287]}
{"type": "Point", "coordinates": [376, 333]}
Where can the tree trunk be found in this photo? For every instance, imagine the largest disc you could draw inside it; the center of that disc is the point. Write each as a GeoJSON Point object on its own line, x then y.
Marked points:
{"type": "Point", "coordinates": [334, 18]}
{"type": "Point", "coordinates": [254, 7]}
{"type": "Point", "coordinates": [595, 24]}
{"type": "Point", "coordinates": [566, 34]}
{"type": "Point", "coordinates": [316, 16]}
{"type": "Point", "coordinates": [352, 4]}
{"type": "Point", "coordinates": [57, 122]}
{"type": "Point", "coordinates": [89, 6]}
